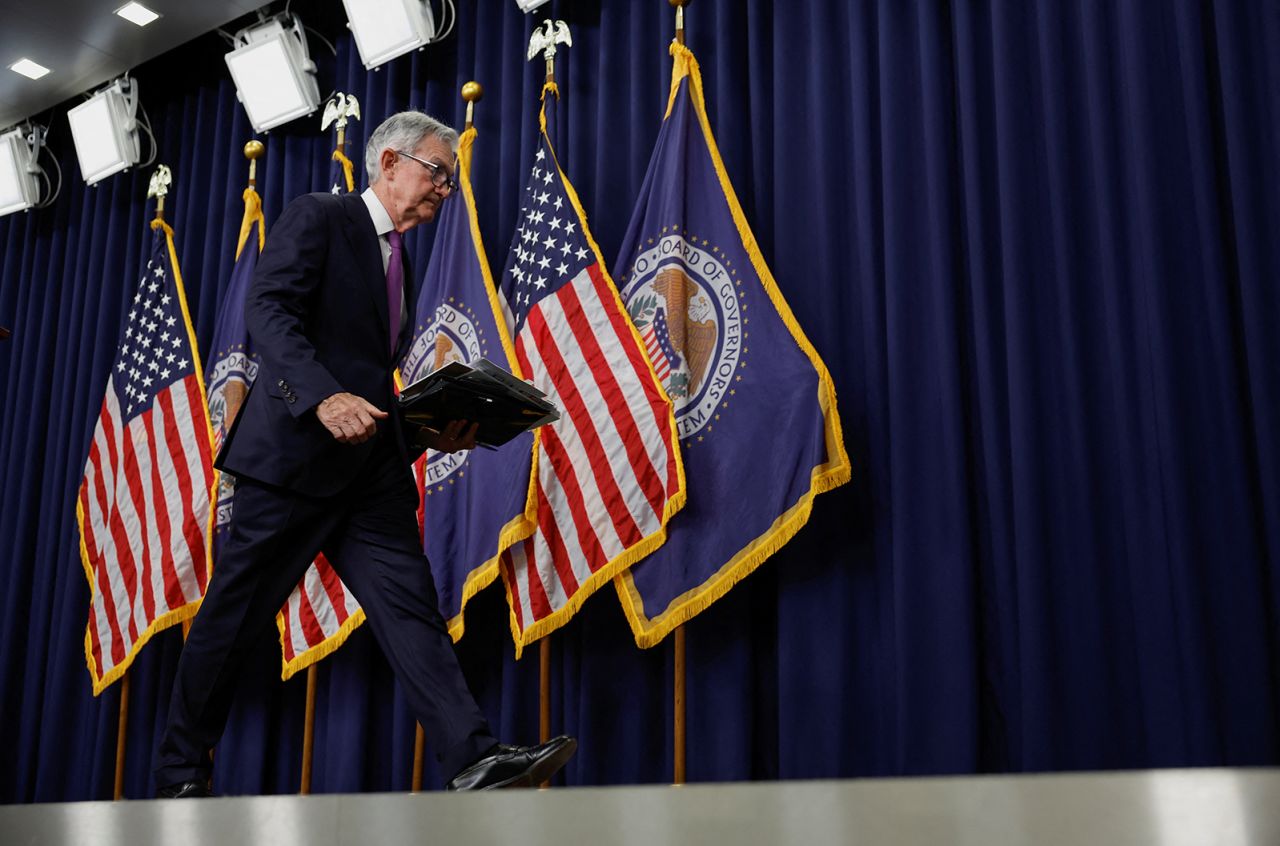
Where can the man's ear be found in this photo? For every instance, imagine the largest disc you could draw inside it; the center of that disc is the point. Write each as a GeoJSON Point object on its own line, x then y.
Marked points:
{"type": "Point", "coordinates": [387, 160]}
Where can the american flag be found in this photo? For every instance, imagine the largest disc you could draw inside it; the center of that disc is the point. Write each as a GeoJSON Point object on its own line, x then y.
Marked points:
{"type": "Point", "coordinates": [608, 472]}
{"type": "Point", "coordinates": [321, 612]}
{"type": "Point", "coordinates": [144, 504]}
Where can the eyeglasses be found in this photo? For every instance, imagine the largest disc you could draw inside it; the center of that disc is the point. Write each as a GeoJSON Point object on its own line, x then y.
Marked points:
{"type": "Point", "coordinates": [439, 176]}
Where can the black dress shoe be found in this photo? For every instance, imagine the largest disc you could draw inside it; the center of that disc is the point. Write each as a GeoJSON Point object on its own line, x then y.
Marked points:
{"type": "Point", "coordinates": [186, 790]}
{"type": "Point", "coordinates": [516, 766]}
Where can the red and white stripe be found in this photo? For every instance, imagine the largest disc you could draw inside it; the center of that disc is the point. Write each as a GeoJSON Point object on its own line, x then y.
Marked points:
{"type": "Point", "coordinates": [313, 616]}
{"type": "Point", "coordinates": [144, 504]}
{"type": "Point", "coordinates": [605, 469]}
{"type": "Point", "coordinates": [661, 366]}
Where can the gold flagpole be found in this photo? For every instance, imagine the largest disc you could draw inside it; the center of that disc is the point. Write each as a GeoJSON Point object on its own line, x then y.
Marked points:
{"type": "Point", "coordinates": [472, 92]}
{"type": "Point", "coordinates": [159, 188]}
{"type": "Point", "coordinates": [544, 693]}
{"type": "Point", "coordinates": [419, 752]}
{"type": "Point", "coordinates": [121, 735]}
{"type": "Point", "coordinates": [678, 735]}
{"type": "Point", "coordinates": [544, 689]}
{"type": "Point", "coordinates": [679, 4]}
{"type": "Point", "coordinates": [678, 646]}
{"type": "Point", "coordinates": [253, 151]}
{"type": "Point", "coordinates": [308, 732]}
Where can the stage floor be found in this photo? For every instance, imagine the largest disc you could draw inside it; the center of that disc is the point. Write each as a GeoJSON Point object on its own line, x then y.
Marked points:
{"type": "Point", "coordinates": [1168, 807]}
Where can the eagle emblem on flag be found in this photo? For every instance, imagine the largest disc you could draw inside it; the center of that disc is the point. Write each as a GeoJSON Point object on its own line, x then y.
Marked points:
{"type": "Point", "coordinates": [688, 310]}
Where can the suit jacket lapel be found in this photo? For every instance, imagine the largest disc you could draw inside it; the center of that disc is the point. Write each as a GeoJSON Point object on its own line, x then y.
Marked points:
{"type": "Point", "coordinates": [368, 254]}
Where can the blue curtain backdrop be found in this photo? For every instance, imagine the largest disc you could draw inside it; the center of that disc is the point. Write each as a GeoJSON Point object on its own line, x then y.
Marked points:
{"type": "Point", "coordinates": [1036, 244]}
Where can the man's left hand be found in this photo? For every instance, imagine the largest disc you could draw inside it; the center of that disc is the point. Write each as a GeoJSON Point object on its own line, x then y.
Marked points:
{"type": "Point", "coordinates": [457, 435]}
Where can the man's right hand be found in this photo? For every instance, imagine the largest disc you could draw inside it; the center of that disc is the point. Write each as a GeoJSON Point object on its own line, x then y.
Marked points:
{"type": "Point", "coordinates": [349, 418]}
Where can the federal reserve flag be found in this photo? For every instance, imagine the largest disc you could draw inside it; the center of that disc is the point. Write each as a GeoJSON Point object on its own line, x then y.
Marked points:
{"type": "Point", "coordinates": [755, 406]}
{"type": "Point", "coordinates": [144, 506]}
{"type": "Point", "coordinates": [607, 474]}
{"type": "Point", "coordinates": [473, 502]}
{"type": "Point", "coordinates": [233, 365]}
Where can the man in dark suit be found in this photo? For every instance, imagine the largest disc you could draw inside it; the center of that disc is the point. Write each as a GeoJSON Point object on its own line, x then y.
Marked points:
{"type": "Point", "coordinates": [322, 464]}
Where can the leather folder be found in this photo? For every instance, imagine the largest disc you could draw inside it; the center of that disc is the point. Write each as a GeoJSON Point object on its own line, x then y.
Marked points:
{"type": "Point", "coordinates": [481, 393]}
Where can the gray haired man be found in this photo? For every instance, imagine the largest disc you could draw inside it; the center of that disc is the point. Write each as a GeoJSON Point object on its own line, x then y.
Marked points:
{"type": "Point", "coordinates": [322, 465]}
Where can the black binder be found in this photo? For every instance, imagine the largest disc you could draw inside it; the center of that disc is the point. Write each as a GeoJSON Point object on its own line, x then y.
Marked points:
{"type": "Point", "coordinates": [481, 393]}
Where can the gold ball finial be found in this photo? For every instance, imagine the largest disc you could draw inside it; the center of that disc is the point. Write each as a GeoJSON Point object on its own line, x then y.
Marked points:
{"type": "Point", "coordinates": [254, 149]}
{"type": "Point", "coordinates": [472, 92]}
{"type": "Point", "coordinates": [679, 3]}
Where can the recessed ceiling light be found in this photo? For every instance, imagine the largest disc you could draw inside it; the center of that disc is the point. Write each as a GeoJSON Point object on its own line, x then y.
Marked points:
{"type": "Point", "coordinates": [29, 69]}
{"type": "Point", "coordinates": [136, 13]}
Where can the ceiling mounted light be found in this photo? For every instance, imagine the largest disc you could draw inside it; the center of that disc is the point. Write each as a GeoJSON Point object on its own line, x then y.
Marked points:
{"type": "Point", "coordinates": [28, 68]}
{"type": "Point", "coordinates": [105, 130]}
{"type": "Point", "coordinates": [19, 172]}
{"type": "Point", "coordinates": [137, 13]}
{"type": "Point", "coordinates": [273, 72]}
{"type": "Point", "coordinates": [385, 29]}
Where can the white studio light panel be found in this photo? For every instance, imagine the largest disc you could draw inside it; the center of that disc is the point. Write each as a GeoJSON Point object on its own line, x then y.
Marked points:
{"type": "Point", "coordinates": [19, 188]}
{"type": "Point", "coordinates": [105, 132]}
{"type": "Point", "coordinates": [274, 76]}
{"type": "Point", "coordinates": [385, 29]}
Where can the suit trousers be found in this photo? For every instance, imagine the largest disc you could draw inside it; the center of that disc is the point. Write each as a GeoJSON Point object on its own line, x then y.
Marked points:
{"type": "Point", "coordinates": [369, 532]}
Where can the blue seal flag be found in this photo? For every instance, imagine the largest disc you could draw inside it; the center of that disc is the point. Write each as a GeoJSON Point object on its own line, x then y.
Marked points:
{"type": "Point", "coordinates": [234, 364]}
{"type": "Point", "coordinates": [474, 503]}
{"type": "Point", "coordinates": [755, 405]}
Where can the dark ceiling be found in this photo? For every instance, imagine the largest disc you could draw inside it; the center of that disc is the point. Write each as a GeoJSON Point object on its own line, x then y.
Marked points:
{"type": "Point", "coordinates": [86, 45]}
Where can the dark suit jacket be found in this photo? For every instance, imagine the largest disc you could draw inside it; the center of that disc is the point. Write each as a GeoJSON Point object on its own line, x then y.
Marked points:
{"type": "Point", "coordinates": [317, 315]}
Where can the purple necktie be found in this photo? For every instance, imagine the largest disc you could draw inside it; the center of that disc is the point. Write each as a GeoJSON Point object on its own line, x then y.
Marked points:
{"type": "Point", "coordinates": [395, 286]}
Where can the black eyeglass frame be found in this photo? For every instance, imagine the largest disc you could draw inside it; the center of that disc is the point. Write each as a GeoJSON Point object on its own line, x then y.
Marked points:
{"type": "Point", "coordinates": [439, 176]}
